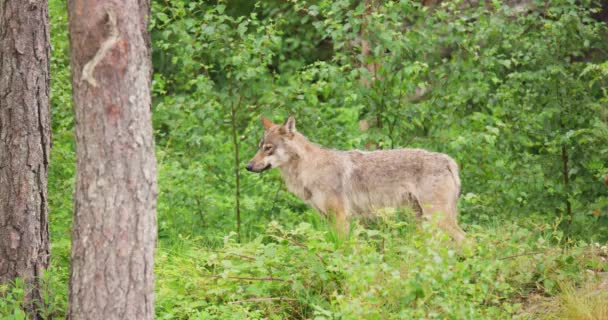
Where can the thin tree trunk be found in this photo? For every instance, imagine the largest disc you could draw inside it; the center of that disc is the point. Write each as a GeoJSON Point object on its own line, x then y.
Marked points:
{"type": "Point", "coordinates": [237, 176]}
{"type": "Point", "coordinates": [114, 227]}
{"type": "Point", "coordinates": [564, 156]}
{"type": "Point", "coordinates": [366, 47]}
{"type": "Point", "coordinates": [24, 144]}
{"type": "Point", "coordinates": [565, 176]}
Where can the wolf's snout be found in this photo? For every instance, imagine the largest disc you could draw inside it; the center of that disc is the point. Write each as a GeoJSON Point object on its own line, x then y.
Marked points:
{"type": "Point", "coordinates": [249, 167]}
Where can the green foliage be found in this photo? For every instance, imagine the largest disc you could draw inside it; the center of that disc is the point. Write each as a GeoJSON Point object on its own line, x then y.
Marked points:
{"type": "Point", "coordinates": [513, 96]}
{"type": "Point", "coordinates": [52, 289]}
{"type": "Point", "coordinates": [12, 296]}
{"type": "Point", "coordinates": [391, 272]}
{"type": "Point", "coordinates": [517, 96]}
{"type": "Point", "coordinates": [62, 167]}
{"type": "Point", "coordinates": [506, 93]}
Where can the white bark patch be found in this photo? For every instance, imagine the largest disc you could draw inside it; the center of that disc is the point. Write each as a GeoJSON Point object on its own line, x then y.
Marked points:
{"type": "Point", "coordinates": [15, 239]}
{"type": "Point", "coordinates": [89, 67]}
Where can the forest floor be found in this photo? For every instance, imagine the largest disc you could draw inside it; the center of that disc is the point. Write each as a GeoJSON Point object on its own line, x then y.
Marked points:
{"type": "Point", "coordinates": [393, 269]}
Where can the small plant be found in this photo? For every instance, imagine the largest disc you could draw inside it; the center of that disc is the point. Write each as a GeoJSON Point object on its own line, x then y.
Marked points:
{"type": "Point", "coordinates": [588, 302]}
{"type": "Point", "coordinates": [11, 299]}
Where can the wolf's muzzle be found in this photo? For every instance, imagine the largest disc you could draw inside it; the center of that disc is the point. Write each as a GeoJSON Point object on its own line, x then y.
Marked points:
{"type": "Point", "coordinates": [250, 167]}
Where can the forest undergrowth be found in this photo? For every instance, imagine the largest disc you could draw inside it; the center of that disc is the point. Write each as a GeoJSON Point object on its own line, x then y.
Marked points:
{"type": "Point", "coordinates": [517, 95]}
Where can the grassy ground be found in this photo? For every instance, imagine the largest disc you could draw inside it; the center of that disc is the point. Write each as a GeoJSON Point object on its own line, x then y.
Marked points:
{"type": "Point", "coordinates": [392, 269]}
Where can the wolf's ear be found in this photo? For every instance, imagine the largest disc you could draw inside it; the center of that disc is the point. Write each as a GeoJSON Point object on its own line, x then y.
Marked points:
{"type": "Point", "coordinates": [266, 122]}
{"type": "Point", "coordinates": [290, 125]}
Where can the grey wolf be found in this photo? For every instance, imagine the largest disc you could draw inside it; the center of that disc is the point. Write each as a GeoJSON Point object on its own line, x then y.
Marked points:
{"type": "Point", "coordinates": [346, 184]}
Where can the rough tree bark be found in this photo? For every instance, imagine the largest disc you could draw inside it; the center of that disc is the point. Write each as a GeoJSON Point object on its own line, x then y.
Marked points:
{"type": "Point", "coordinates": [24, 143]}
{"type": "Point", "coordinates": [114, 227]}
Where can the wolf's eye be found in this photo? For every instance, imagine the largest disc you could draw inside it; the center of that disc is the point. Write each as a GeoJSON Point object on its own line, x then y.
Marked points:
{"type": "Point", "coordinates": [267, 147]}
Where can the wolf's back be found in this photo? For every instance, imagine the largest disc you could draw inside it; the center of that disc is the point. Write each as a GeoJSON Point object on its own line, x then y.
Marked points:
{"type": "Point", "coordinates": [390, 178]}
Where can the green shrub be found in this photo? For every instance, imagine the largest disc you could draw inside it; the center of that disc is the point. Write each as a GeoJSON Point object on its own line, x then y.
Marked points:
{"type": "Point", "coordinates": [517, 97]}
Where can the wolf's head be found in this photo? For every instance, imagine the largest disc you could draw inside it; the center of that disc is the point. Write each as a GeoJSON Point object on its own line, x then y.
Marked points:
{"type": "Point", "coordinates": [272, 151]}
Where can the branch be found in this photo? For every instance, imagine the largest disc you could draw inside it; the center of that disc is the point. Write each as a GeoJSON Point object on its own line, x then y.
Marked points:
{"type": "Point", "coordinates": [298, 244]}
{"type": "Point", "coordinates": [242, 256]}
{"type": "Point", "coordinates": [301, 245]}
{"type": "Point", "coordinates": [253, 278]}
{"type": "Point", "coordinates": [89, 67]}
{"type": "Point", "coordinates": [262, 299]}
{"type": "Point", "coordinates": [525, 254]}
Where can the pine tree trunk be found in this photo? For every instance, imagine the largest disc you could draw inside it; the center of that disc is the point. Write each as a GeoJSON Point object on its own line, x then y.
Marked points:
{"type": "Point", "coordinates": [114, 227]}
{"type": "Point", "coordinates": [24, 143]}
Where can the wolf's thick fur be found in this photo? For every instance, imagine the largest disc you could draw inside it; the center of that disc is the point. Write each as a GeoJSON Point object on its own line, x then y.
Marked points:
{"type": "Point", "coordinates": [352, 183]}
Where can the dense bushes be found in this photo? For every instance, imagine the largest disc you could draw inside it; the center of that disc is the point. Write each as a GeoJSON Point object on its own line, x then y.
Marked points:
{"type": "Point", "coordinates": [394, 272]}
{"type": "Point", "coordinates": [508, 91]}
{"type": "Point", "coordinates": [516, 94]}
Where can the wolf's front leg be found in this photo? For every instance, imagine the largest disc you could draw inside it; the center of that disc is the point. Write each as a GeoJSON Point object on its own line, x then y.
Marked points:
{"type": "Point", "coordinates": [335, 210]}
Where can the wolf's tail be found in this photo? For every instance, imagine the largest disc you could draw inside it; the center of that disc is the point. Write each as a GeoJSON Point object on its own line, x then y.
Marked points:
{"type": "Point", "coordinates": [453, 168]}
